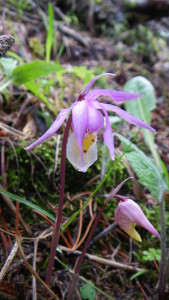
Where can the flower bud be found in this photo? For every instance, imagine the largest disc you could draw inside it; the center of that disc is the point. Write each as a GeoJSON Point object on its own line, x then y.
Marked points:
{"type": "Point", "coordinates": [128, 213]}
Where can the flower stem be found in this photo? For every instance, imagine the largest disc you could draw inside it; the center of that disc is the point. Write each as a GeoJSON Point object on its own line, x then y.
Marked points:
{"type": "Point", "coordinates": [79, 262]}
{"type": "Point", "coordinates": [56, 230]}
{"type": "Point", "coordinates": [162, 276]}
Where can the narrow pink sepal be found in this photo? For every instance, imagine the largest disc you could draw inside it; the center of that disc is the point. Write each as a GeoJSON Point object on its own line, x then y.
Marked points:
{"type": "Point", "coordinates": [116, 96]}
{"type": "Point", "coordinates": [128, 117]}
{"type": "Point", "coordinates": [55, 126]}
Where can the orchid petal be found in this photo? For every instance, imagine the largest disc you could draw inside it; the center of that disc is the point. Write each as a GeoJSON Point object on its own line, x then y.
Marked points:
{"type": "Point", "coordinates": [80, 122]}
{"type": "Point", "coordinates": [116, 96]}
{"type": "Point", "coordinates": [128, 117]}
{"type": "Point", "coordinates": [55, 126]}
{"type": "Point", "coordinates": [107, 134]}
{"type": "Point", "coordinates": [95, 119]}
{"type": "Point", "coordinates": [74, 155]}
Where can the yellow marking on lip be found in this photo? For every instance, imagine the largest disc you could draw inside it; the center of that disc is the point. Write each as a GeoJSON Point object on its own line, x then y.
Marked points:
{"type": "Point", "coordinates": [87, 142]}
{"type": "Point", "coordinates": [130, 230]}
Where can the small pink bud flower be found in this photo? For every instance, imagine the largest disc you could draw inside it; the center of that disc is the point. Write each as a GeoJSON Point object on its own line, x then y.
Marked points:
{"type": "Point", "coordinates": [128, 213]}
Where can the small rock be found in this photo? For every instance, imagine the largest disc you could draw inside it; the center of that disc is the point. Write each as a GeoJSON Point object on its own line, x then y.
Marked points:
{"type": "Point", "coordinates": [6, 42]}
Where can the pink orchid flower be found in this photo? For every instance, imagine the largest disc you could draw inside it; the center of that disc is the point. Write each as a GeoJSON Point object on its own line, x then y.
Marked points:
{"type": "Point", "coordinates": [87, 119]}
{"type": "Point", "coordinates": [128, 213]}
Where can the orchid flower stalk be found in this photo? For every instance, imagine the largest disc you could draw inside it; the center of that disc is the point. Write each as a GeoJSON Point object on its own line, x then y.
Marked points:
{"type": "Point", "coordinates": [128, 213]}
{"type": "Point", "coordinates": [56, 230]}
{"type": "Point", "coordinates": [88, 116]}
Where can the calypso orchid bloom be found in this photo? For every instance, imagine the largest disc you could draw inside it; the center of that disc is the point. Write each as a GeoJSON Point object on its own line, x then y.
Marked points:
{"type": "Point", "coordinates": [87, 119]}
{"type": "Point", "coordinates": [128, 213]}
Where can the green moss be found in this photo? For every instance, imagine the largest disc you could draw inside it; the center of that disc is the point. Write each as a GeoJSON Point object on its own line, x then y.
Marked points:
{"type": "Point", "coordinates": [31, 175]}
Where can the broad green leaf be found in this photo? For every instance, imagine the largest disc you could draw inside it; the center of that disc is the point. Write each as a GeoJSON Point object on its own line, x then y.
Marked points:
{"type": "Point", "coordinates": [149, 174]}
{"type": "Point", "coordinates": [31, 71]}
{"type": "Point", "coordinates": [27, 203]}
{"type": "Point", "coordinates": [141, 107]}
{"type": "Point", "coordinates": [88, 292]}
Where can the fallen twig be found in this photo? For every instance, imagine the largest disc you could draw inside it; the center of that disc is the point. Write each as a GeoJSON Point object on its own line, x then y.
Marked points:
{"type": "Point", "coordinates": [11, 131]}
{"type": "Point", "coordinates": [8, 261]}
{"type": "Point", "coordinates": [34, 290]}
{"type": "Point", "coordinates": [16, 265]}
{"type": "Point", "coordinates": [103, 261]}
{"type": "Point", "coordinates": [86, 42]}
